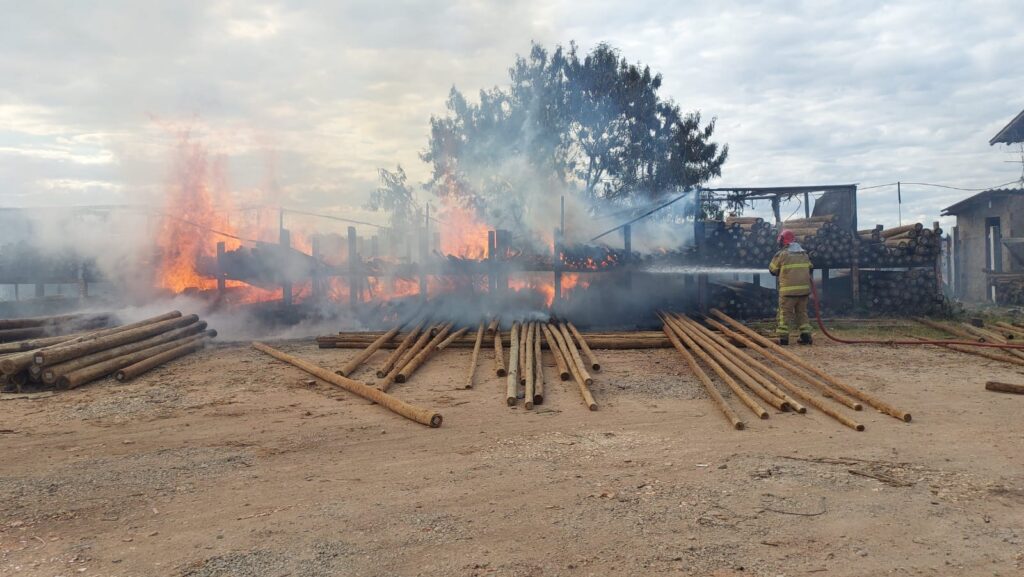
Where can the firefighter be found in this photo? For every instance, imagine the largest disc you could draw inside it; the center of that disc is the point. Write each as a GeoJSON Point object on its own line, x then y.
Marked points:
{"type": "Point", "coordinates": [793, 268]}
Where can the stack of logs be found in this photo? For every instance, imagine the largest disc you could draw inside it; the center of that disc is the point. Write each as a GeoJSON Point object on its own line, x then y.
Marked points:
{"type": "Point", "coordinates": [755, 373]}
{"type": "Point", "coordinates": [16, 330]}
{"type": "Point", "coordinates": [739, 240]}
{"type": "Point", "coordinates": [743, 299]}
{"type": "Point", "coordinates": [908, 245]}
{"type": "Point", "coordinates": [998, 332]}
{"type": "Point", "coordinates": [828, 245]}
{"type": "Point", "coordinates": [125, 351]}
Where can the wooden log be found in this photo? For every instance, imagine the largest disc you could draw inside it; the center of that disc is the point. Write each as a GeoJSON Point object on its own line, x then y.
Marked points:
{"type": "Point", "coordinates": [949, 329]}
{"type": "Point", "coordinates": [531, 364]}
{"type": "Point", "coordinates": [351, 366]}
{"type": "Point", "coordinates": [493, 327]}
{"type": "Point", "coordinates": [63, 352]}
{"type": "Point", "coordinates": [886, 233]}
{"type": "Point", "coordinates": [411, 352]}
{"type": "Point", "coordinates": [724, 359]}
{"type": "Point", "coordinates": [421, 357]}
{"type": "Point", "coordinates": [32, 344]}
{"type": "Point", "coordinates": [1017, 332]}
{"type": "Point", "coordinates": [598, 343]}
{"type": "Point", "coordinates": [574, 355]}
{"type": "Point", "coordinates": [411, 412]}
{"type": "Point", "coordinates": [1004, 387]}
{"type": "Point", "coordinates": [452, 338]}
{"type": "Point", "coordinates": [591, 358]}
{"type": "Point", "coordinates": [512, 382]}
{"type": "Point", "coordinates": [90, 373]}
{"type": "Point", "coordinates": [131, 371]}
{"type": "Point", "coordinates": [389, 363]}
{"type": "Point", "coordinates": [538, 370]}
{"type": "Point", "coordinates": [727, 411]}
{"type": "Point", "coordinates": [522, 353]}
{"type": "Point", "coordinates": [26, 322]}
{"type": "Point", "coordinates": [15, 363]}
{"type": "Point", "coordinates": [499, 356]}
{"type": "Point", "coordinates": [821, 386]}
{"type": "Point", "coordinates": [563, 366]}
{"type": "Point", "coordinates": [52, 373]}
{"type": "Point", "coordinates": [476, 354]}
{"type": "Point", "coordinates": [789, 385]}
{"type": "Point", "coordinates": [875, 402]}
{"type": "Point", "coordinates": [736, 389]}
{"type": "Point", "coordinates": [981, 353]}
{"type": "Point", "coordinates": [748, 364]}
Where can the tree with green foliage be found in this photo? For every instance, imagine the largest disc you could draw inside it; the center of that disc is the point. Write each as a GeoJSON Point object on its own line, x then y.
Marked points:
{"type": "Point", "coordinates": [594, 124]}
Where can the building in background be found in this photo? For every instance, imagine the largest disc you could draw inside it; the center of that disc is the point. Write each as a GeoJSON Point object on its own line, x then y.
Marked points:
{"type": "Point", "coordinates": [988, 240]}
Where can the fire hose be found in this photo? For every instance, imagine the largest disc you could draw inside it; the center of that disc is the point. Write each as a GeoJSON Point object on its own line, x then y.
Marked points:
{"type": "Point", "coordinates": [824, 331]}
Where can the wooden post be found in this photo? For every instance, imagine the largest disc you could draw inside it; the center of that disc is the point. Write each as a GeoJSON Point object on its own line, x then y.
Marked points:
{"type": "Point", "coordinates": [286, 287]}
{"type": "Point", "coordinates": [775, 210]}
{"type": "Point", "coordinates": [221, 276]}
{"type": "Point", "coordinates": [627, 243]}
{"type": "Point", "coordinates": [807, 205]}
{"type": "Point", "coordinates": [424, 241]}
{"type": "Point", "coordinates": [354, 284]}
{"type": "Point", "coordinates": [556, 259]}
{"type": "Point", "coordinates": [492, 268]}
{"type": "Point", "coordinates": [83, 283]}
{"type": "Point", "coordinates": [316, 288]}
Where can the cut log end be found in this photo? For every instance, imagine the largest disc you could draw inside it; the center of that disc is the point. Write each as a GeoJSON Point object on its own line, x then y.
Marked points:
{"type": "Point", "coordinates": [399, 378]}
{"type": "Point", "coordinates": [502, 372]}
{"type": "Point", "coordinates": [589, 382]}
{"type": "Point", "coordinates": [906, 417]}
{"type": "Point", "coordinates": [592, 406]}
{"type": "Point", "coordinates": [380, 374]}
{"type": "Point", "coordinates": [435, 420]}
{"type": "Point", "coordinates": [564, 376]}
{"type": "Point", "coordinates": [596, 366]}
{"type": "Point", "coordinates": [510, 401]}
{"type": "Point", "coordinates": [858, 407]}
{"type": "Point", "coordinates": [528, 404]}
{"type": "Point", "coordinates": [859, 427]}
{"type": "Point", "coordinates": [538, 399]}
{"type": "Point", "coordinates": [739, 425]}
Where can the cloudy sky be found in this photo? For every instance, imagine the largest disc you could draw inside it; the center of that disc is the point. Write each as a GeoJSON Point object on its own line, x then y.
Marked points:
{"type": "Point", "coordinates": [305, 100]}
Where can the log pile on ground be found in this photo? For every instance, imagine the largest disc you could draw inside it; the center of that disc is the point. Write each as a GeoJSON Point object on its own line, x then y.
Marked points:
{"type": "Point", "coordinates": [762, 373]}
{"type": "Point", "coordinates": [17, 331]}
{"type": "Point", "coordinates": [1009, 290]}
{"type": "Point", "coordinates": [127, 351]}
{"type": "Point", "coordinates": [912, 291]}
{"type": "Point", "coordinates": [743, 299]}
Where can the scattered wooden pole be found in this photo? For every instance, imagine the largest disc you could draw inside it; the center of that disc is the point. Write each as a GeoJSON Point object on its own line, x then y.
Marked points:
{"type": "Point", "coordinates": [512, 385]}
{"type": "Point", "coordinates": [523, 330]}
{"type": "Point", "coordinates": [1004, 387]}
{"type": "Point", "coordinates": [351, 366]}
{"type": "Point", "coordinates": [727, 411]}
{"type": "Point", "coordinates": [476, 354]}
{"type": "Point", "coordinates": [452, 338]}
{"type": "Point", "coordinates": [748, 364]}
{"type": "Point", "coordinates": [563, 368]}
{"type": "Point", "coordinates": [574, 355]}
{"type": "Point", "coordinates": [718, 370]}
{"type": "Point", "coordinates": [531, 364]}
{"type": "Point", "coordinates": [852, 391]}
{"type": "Point", "coordinates": [984, 353]}
{"type": "Point", "coordinates": [414, 350]}
{"type": "Point", "coordinates": [499, 356]}
{"type": "Point", "coordinates": [538, 385]}
{"type": "Point", "coordinates": [725, 360]}
{"type": "Point", "coordinates": [407, 342]}
{"type": "Point", "coordinates": [576, 369]}
{"type": "Point", "coordinates": [131, 371]}
{"type": "Point", "coordinates": [411, 412]}
{"type": "Point", "coordinates": [435, 344]}
{"type": "Point", "coordinates": [584, 347]}
{"type": "Point", "coordinates": [821, 386]}
{"type": "Point", "coordinates": [494, 326]}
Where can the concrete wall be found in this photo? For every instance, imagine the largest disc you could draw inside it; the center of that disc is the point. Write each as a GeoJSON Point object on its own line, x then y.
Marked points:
{"type": "Point", "coordinates": [971, 223]}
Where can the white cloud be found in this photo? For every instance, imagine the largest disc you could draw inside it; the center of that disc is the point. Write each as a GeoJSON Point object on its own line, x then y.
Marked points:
{"type": "Point", "coordinates": [321, 94]}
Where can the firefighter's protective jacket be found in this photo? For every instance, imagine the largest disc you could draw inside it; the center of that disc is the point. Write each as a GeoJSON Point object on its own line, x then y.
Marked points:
{"type": "Point", "coordinates": [793, 267]}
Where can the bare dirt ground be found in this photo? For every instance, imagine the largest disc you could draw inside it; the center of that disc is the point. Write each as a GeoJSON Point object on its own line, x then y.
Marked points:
{"type": "Point", "coordinates": [222, 464]}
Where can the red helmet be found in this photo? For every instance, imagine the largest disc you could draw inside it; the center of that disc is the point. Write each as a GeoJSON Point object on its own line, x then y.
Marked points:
{"type": "Point", "coordinates": [786, 237]}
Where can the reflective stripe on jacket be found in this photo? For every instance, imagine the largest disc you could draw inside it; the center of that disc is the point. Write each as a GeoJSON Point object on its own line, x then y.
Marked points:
{"type": "Point", "coordinates": [793, 267]}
